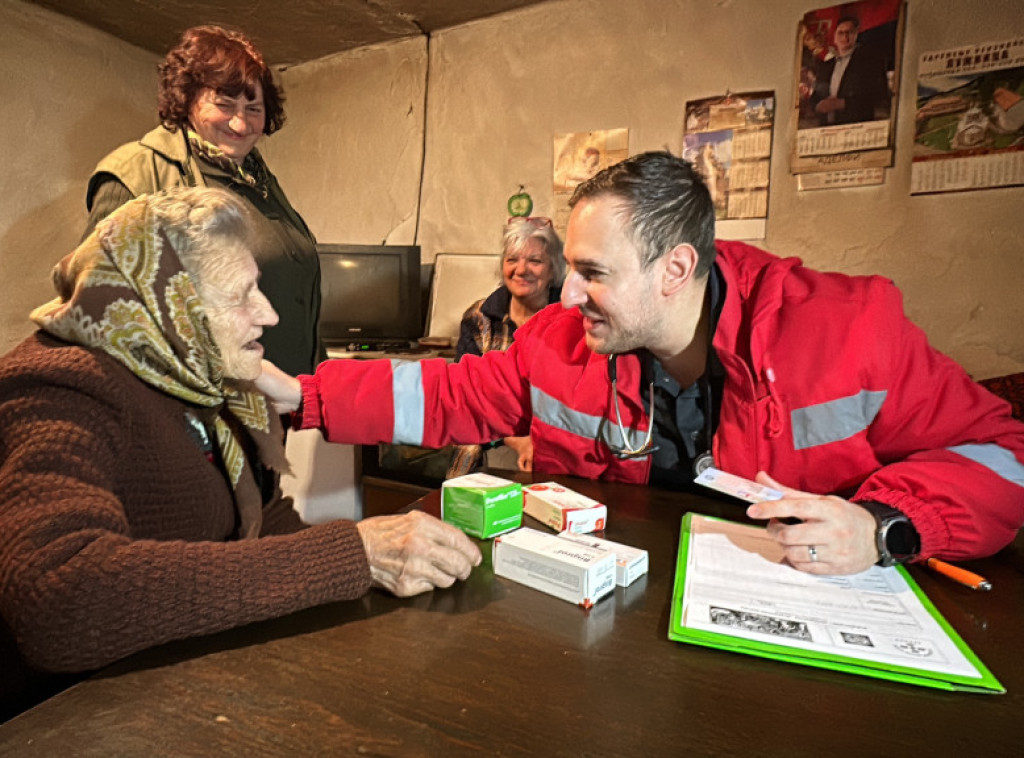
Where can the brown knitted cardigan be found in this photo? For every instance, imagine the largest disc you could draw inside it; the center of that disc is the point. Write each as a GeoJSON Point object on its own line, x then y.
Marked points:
{"type": "Point", "coordinates": [116, 530]}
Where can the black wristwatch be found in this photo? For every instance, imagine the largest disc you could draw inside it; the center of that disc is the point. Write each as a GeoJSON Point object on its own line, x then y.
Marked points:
{"type": "Point", "coordinates": [895, 537]}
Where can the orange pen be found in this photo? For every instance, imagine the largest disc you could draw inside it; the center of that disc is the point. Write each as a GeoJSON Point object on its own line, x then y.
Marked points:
{"type": "Point", "coordinates": [957, 574]}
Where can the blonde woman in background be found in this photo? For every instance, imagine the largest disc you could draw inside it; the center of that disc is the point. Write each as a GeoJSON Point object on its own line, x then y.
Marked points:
{"type": "Point", "coordinates": [532, 269]}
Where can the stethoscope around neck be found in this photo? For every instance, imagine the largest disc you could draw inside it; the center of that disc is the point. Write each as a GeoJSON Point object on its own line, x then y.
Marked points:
{"type": "Point", "coordinates": [626, 451]}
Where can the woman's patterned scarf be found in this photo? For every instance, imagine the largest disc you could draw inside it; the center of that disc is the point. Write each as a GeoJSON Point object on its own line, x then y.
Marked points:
{"type": "Point", "coordinates": [124, 291]}
{"type": "Point", "coordinates": [252, 171]}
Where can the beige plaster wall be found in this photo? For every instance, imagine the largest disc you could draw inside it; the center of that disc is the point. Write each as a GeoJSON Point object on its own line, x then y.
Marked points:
{"type": "Point", "coordinates": [350, 155]}
{"type": "Point", "coordinates": [68, 95]}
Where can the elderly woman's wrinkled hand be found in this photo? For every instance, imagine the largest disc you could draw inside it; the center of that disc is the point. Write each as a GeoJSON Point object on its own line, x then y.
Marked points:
{"type": "Point", "coordinates": [414, 552]}
{"type": "Point", "coordinates": [283, 390]}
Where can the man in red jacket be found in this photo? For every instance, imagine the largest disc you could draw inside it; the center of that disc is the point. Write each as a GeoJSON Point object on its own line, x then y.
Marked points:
{"type": "Point", "coordinates": [670, 350]}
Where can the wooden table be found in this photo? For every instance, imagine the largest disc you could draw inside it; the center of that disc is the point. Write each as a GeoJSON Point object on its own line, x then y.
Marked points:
{"type": "Point", "coordinates": [494, 668]}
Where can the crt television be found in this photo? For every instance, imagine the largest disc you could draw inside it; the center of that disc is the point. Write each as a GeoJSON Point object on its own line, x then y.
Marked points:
{"type": "Point", "coordinates": [370, 293]}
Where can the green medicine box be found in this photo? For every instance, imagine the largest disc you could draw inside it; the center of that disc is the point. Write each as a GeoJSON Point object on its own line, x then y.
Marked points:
{"type": "Point", "coordinates": [482, 505]}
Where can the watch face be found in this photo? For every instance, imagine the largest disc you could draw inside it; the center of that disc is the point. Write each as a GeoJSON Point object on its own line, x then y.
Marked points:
{"type": "Point", "coordinates": [901, 540]}
{"type": "Point", "coordinates": [896, 539]}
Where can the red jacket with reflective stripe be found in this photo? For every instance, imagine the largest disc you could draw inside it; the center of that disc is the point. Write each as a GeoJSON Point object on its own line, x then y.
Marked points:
{"type": "Point", "coordinates": [829, 388]}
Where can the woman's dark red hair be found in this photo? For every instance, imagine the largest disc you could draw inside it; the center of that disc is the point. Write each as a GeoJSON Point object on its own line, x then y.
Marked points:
{"type": "Point", "coordinates": [226, 62]}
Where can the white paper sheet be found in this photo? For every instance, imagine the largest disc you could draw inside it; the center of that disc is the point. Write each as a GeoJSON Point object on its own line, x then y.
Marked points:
{"type": "Point", "coordinates": [738, 584]}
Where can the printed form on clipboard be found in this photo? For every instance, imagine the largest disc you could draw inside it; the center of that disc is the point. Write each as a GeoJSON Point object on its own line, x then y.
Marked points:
{"type": "Point", "coordinates": [733, 591]}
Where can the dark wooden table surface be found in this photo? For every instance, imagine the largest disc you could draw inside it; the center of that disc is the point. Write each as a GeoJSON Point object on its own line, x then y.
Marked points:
{"type": "Point", "coordinates": [494, 668]}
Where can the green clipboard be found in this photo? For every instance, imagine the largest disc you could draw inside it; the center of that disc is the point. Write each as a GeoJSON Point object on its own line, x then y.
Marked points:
{"type": "Point", "coordinates": [985, 682]}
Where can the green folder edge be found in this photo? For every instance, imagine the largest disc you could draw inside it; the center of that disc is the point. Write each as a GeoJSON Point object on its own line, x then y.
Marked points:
{"type": "Point", "coordinates": [986, 683]}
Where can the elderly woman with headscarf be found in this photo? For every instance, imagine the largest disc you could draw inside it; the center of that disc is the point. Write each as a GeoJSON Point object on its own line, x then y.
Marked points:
{"type": "Point", "coordinates": [532, 268]}
{"type": "Point", "coordinates": [137, 497]}
{"type": "Point", "coordinates": [217, 99]}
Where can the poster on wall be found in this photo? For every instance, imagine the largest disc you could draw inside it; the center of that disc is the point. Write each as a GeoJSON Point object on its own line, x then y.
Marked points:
{"type": "Point", "coordinates": [969, 123]}
{"type": "Point", "coordinates": [847, 78]}
{"type": "Point", "coordinates": [728, 140]}
{"type": "Point", "coordinates": [578, 156]}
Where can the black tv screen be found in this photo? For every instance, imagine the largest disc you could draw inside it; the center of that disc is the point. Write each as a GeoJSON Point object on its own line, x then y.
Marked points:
{"type": "Point", "coordinates": [369, 293]}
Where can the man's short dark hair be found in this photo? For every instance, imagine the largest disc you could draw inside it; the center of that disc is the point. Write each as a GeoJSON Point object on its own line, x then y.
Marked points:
{"type": "Point", "coordinates": [848, 19]}
{"type": "Point", "coordinates": [665, 202]}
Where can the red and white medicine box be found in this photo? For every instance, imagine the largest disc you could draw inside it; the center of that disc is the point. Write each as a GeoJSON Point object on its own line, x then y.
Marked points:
{"type": "Point", "coordinates": [562, 509]}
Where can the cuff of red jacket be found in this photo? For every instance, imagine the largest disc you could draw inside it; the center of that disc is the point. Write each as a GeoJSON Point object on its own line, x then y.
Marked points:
{"type": "Point", "coordinates": [307, 416]}
{"type": "Point", "coordinates": [934, 533]}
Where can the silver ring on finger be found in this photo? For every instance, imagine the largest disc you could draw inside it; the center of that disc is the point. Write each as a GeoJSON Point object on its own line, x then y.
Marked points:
{"type": "Point", "coordinates": [813, 552]}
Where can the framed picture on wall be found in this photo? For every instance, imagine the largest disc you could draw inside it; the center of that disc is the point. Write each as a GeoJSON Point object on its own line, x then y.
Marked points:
{"type": "Point", "coordinates": [847, 85]}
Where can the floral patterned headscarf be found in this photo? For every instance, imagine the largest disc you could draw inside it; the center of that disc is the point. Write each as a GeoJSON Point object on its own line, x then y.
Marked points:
{"type": "Point", "coordinates": [124, 291]}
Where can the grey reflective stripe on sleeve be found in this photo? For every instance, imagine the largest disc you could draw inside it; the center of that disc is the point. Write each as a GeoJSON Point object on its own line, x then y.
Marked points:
{"type": "Point", "coordinates": [407, 391]}
{"type": "Point", "coordinates": [557, 414]}
{"type": "Point", "coordinates": [835, 420]}
{"type": "Point", "coordinates": [998, 460]}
